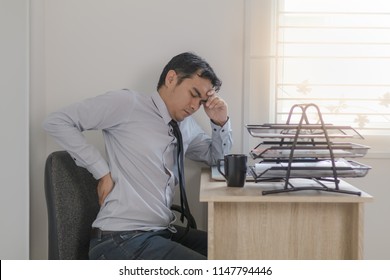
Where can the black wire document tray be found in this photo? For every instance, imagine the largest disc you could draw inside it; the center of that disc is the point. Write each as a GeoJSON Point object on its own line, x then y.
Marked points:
{"type": "Point", "coordinates": [319, 172]}
{"type": "Point", "coordinates": [290, 131]}
{"type": "Point", "coordinates": [282, 150]}
{"type": "Point", "coordinates": [308, 169]}
{"type": "Point", "coordinates": [306, 150]}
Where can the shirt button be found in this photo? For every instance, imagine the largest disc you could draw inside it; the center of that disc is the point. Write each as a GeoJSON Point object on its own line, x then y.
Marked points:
{"type": "Point", "coordinates": [223, 130]}
{"type": "Point", "coordinates": [215, 129]}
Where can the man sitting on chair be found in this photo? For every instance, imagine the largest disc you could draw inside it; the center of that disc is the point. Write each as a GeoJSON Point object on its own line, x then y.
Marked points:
{"type": "Point", "coordinates": [137, 182]}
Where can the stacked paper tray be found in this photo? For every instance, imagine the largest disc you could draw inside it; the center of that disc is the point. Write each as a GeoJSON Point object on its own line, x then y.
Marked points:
{"type": "Point", "coordinates": [289, 131]}
{"type": "Point", "coordinates": [280, 150]}
{"type": "Point", "coordinates": [310, 169]}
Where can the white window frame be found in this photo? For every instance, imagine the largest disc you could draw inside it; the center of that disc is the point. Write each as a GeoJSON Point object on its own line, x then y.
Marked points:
{"type": "Point", "coordinates": [259, 75]}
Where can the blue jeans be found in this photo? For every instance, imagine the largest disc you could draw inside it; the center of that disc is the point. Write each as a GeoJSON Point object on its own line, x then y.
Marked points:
{"type": "Point", "coordinates": [149, 245]}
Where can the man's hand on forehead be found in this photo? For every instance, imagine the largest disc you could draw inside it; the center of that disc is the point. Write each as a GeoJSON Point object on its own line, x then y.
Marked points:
{"type": "Point", "coordinates": [211, 95]}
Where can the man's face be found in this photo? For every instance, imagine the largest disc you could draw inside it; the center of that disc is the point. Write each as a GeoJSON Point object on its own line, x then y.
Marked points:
{"type": "Point", "coordinates": [185, 99]}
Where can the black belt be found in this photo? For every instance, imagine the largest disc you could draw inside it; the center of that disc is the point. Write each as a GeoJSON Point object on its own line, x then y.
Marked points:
{"type": "Point", "coordinates": [98, 233]}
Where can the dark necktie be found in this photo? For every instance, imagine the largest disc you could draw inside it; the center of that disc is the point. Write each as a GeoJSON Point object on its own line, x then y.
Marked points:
{"type": "Point", "coordinates": [185, 210]}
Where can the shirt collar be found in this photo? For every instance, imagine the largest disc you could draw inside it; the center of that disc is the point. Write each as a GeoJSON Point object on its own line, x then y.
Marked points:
{"type": "Point", "coordinates": [161, 107]}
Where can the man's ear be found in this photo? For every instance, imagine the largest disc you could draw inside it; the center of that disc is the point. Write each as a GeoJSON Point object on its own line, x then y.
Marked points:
{"type": "Point", "coordinates": [170, 78]}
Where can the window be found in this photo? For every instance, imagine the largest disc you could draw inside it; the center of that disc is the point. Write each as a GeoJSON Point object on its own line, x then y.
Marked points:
{"type": "Point", "coordinates": [329, 52]}
{"type": "Point", "coordinates": [335, 54]}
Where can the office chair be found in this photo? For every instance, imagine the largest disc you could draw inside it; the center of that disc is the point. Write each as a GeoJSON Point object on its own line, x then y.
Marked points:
{"type": "Point", "coordinates": [72, 206]}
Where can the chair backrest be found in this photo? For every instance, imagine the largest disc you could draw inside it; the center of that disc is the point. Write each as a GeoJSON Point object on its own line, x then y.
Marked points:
{"type": "Point", "coordinates": [72, 206]}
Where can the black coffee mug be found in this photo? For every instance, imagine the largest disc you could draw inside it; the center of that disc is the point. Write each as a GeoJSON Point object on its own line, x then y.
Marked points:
{"type": "Point", "coordinates": [235, 168]}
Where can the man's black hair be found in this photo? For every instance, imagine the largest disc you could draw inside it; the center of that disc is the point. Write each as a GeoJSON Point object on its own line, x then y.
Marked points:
{"type": "Point", "coordinates": [188, 64]}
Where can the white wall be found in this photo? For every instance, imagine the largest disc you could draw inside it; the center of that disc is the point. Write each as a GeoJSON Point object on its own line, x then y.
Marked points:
{"type": "Point", "coordinates": [377, 222]}
{"type": "Point", "coordinates": [82, 48]}
{"type": "Point", "coordinates": [14, 198]}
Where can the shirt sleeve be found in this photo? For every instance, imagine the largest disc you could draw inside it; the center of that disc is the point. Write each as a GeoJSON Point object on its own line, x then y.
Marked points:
{"type": "Point", "coordinates": [98, 113]}
{"type": "Point", "coordinates": [208, 149]}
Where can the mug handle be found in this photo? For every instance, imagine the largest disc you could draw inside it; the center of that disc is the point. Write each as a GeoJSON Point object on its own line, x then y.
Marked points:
{"type": "Point", "coordinates": [219, 168]}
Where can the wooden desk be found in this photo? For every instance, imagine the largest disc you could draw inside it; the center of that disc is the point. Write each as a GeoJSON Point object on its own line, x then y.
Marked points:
{"type": "Point", "coordinates": [244, 224]}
